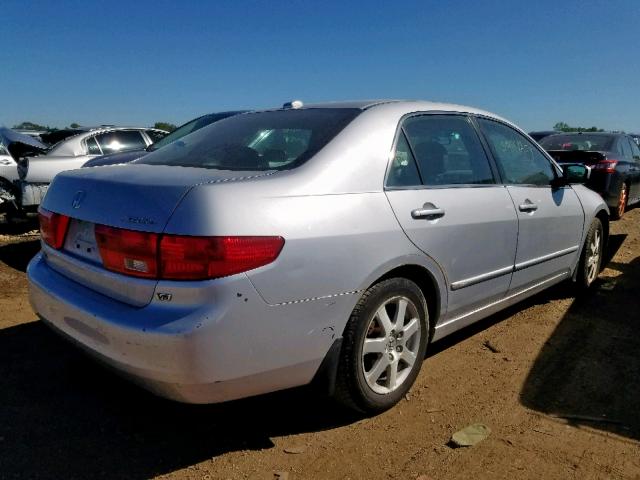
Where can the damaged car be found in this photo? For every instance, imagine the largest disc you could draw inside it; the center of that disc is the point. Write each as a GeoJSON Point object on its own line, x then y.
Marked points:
{"type": "Point", "coordinates": [37, 172]}
{"type": "Point", "coordinates": [13, 147]}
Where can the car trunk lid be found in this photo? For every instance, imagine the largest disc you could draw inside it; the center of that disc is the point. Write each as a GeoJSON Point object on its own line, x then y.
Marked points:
{"type": "Point", "coordinates": [132, 197]}
{"type": "Point", "coordinates": [585, 157]}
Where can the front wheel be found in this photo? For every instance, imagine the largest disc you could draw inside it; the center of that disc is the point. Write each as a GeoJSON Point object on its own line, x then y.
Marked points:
{"type": "Point", "coordinates": [591, 256]}
{"type": "Point", "coordinates": [383, 346]}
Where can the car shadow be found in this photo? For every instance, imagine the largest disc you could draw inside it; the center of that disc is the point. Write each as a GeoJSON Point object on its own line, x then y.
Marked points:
{"type": "Point", "coordinates": [17, 255]}
{"type": "Point", "coordinates": [64, 416]}
{"type": "Point", "coordinates": [588, 372]}
{"type": "Point", "coordinates": [19, 227]}
{"type": "Point", "coordinates": [564, 290]}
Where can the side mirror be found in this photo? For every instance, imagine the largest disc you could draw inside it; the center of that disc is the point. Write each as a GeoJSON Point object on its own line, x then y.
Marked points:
{"type": "Point", "coordinates": [575, 173]}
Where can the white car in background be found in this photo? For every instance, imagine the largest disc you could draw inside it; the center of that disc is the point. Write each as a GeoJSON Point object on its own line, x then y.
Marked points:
{"type": "Point", "coordinates": [36, 173]}
{"type": "Point", "coordinates": [13, 146]}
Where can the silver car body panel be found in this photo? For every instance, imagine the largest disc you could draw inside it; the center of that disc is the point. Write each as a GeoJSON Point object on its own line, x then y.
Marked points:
{"type": "Point", "coordinates": [271, 327]}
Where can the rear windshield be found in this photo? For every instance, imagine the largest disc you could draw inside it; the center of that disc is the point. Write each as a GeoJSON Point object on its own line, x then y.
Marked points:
{"type": "Point", "coordinates": [582, 141]}
{"type": "Point", "coordinates": [188, 128]}
{"type": "Point", "coordinates": [276, 140]}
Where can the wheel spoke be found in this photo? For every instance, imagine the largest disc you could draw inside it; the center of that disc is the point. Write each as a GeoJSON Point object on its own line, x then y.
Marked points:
{"type": "Point", "coordinates": [378, 369]}
{"type": "Point", "coordinates": [408, 357]}
{"type": "Point", "coordinates": [400, 313]}
{"type": "Point", "coordinates": [374, 345]}
{"type": "Point", "coordinates": [410, 329]}
{"type": "Point", "coordinates": [392, 378]}
{"type": "Point", "coordinates": [385, 321]}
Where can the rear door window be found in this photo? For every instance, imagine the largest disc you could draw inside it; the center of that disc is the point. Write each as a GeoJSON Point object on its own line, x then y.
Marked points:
{"type": "Point", "coordinates": [626, 147]}
{"type": "Point", "coordinates": [520, 162]}
{"type": "Point", "coordinates": [635, 151]}
{"type": "Point", "coordinates": [92, 146]}
{"type": "Point", "coordinates": [155, 135]}
{"type": "Point", "coordinates": [121, 141]}
{"type": "Point", "coordinates": [447, 150]}
{"type": "Point", "coordinates": [403, 171]}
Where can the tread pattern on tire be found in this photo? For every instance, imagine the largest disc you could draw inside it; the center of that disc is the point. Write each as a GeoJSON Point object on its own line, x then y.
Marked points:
{"type": "Point", "coordinates": [344, 392]}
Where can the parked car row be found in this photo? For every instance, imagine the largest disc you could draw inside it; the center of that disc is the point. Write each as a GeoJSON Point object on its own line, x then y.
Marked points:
{"type": "Point", "coordinates": [26, 175]}
{"type": "Point", "coordinates": [328, 243]}
{"type": "Point", "coordinates": [614, 161]}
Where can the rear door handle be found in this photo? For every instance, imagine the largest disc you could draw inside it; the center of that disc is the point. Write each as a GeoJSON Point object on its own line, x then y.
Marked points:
{"type": "Point", "coordinates": [428, 211]}
{"type": "Point", "coordinates": [528, 206]}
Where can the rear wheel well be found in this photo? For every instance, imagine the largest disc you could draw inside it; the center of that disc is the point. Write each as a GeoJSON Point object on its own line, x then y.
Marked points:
{"type": "Point", "coordinates": [604, 219]}
{"type": "Point", "coordinates": [427, 284]}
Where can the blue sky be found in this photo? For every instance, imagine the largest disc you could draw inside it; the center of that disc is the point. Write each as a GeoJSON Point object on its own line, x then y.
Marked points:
{"type": "Point", "coordinates": [138, 62]}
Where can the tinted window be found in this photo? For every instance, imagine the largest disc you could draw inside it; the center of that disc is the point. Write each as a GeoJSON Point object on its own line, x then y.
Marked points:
{"type": "Point", "coordinates": [635, 150]}
{"type": "Point", "coordinates": [518, 159]}
{"type": "Point", "coordinates": [120, 141]}
{"type": "Point", "coordinates": [578, 141]}
{"type": "Point", "coordinates": [403, 171]}
{"type": "Point", "coordinates": [92, 146]}
{"type": "Point", "coordinates": [275, 140]}
{"type": "Point", "coordinates": [3, 150]}
{"type": "Point", "coordinates": [155, 135]}
{"type": "Point", "coordinates": [447, 150]}
{"type": "Point", "coordinates": [626, 147]}
{"type": "Point", "coordinates": [189, 127]}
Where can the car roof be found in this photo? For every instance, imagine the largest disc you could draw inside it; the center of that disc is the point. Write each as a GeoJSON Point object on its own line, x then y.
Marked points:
{"type": "Point", "coordinates": [406, 105]}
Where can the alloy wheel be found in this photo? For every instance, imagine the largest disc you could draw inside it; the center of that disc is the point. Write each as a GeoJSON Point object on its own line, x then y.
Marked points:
{"type": "Point", "coordinates": [391, 345]}
{"type": "Point", "coordinates": [593, 256]}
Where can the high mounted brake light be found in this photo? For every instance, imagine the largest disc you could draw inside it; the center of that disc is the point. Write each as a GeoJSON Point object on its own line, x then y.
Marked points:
{"type": "Point", "coordinates": [53, 227]}
{"type": "Point", "coordinates": [179, 257]}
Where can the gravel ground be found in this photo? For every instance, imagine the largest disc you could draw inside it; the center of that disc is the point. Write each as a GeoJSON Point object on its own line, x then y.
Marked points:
{"type": "Point", "coordinates": [557, 380]}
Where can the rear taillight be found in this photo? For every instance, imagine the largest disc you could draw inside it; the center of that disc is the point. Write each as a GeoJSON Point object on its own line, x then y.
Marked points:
{"type": "Point", "coordinates": [198, 258]}
{"type": "Point", "coordinates": [177, 257]}
{"type": "Point", "coordinates": [126, 251]}
{"type": "Point", "coordinates": [608, 166]}
{"type": "Point", "coordinates": [53, 227]}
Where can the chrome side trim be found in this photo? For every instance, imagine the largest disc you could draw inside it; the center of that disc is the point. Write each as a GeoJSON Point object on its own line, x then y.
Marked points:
{"type": "Point", "coordinates": [467, 282]}
{"type": "Point", "coordinates": [505, 299]}
{"type": "Point", "coordinates": [550, 256]}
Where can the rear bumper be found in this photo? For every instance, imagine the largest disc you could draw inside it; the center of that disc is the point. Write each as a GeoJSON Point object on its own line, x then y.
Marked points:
{"type": "Point", "coordinates": [232, 346]}
{"type": "Point", "coordinates": [32, 194]}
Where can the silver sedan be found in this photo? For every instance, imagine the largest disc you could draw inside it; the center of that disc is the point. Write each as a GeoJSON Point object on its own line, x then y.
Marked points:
{"type": "Point", "coordinates": [328, 243]}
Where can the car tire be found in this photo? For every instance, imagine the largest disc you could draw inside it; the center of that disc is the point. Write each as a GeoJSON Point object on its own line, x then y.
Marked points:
{"type": "Point", "coordinates": [621, 205]}
{"type": "Point", "coordinates": [392, 320]}
{"type": "Point", "coordinates": [591, 257]}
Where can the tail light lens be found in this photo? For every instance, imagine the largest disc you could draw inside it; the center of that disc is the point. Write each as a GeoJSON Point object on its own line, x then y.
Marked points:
{"type": "Point", "coordinates": [608, 166]}
{"type": "Point", "coordinates": [197, 258]}
{"type": "Point", "coordinates": [177, 257]}
{"type": "Point", "coordinates": [126, 251]}
{"type": "Point", "coordinates": [53, 227]}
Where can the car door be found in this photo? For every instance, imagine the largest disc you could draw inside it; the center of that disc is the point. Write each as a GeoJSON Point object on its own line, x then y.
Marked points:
{"type": "Point", "coordinates": [634, 172]}
{"type": "Point", "coordinates": [443, 190]}
{"type": "Point", "coordinates": [550, 218]}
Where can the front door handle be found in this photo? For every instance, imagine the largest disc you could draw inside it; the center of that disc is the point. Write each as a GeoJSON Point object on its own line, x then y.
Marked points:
{"type": "Point", "coordinates": [528, 206]}
{"type": "Point", "coordinates": [428, 211]}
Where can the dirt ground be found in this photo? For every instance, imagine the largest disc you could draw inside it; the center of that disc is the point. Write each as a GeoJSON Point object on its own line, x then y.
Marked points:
{"type": "Point", "coordinates": [557, 380]}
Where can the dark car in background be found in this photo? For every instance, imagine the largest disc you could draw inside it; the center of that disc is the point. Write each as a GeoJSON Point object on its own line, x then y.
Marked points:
{"type": "Point", "coordinates": [614, 159]}
{"type": "Point", "coordinates": [537, 136]}
{"type": "Point", "coordinates": [181, 131]}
